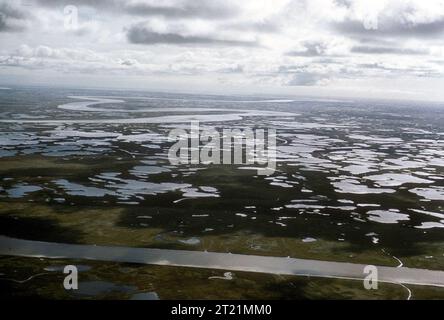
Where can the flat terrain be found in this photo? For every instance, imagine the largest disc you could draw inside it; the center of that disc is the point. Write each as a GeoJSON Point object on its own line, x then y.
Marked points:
{"type": "Point", "coordinates": [357, 182]}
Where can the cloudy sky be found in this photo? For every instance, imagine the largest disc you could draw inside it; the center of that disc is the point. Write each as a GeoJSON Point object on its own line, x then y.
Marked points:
{"type": "Point", "coordinates": [362, 48]}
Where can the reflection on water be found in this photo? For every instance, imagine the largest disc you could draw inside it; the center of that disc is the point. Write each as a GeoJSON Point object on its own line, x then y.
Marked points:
{"type": "Point", "coordinates": [21, 190]}
{"type": "Point", "coordinates": [145, 296]}
{"type": "Point", "coordinates": [212, 260]}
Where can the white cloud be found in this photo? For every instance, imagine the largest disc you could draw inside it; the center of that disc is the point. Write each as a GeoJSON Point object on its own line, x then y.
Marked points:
{"type": "Point", "coordinates": [282, 45]}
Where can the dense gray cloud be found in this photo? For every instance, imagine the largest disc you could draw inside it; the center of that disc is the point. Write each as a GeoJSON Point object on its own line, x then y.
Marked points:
{"type": "Point", "coordinates": [11, 18]}
{"type": "Point", "coordinates": [214, 9]}
{"type": "Point", "coordinates": [392, 18]}
{"type": "Point", "coordinates": [189, 9]}
{"type": "Point", "coordinates": [108, 4]}
{"type": "Point", "coordinates": [391, 28]}
{"type": "Point", "coordinates": [387, 50]}
{"type": "Point", "coordinates": [143, 35]}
